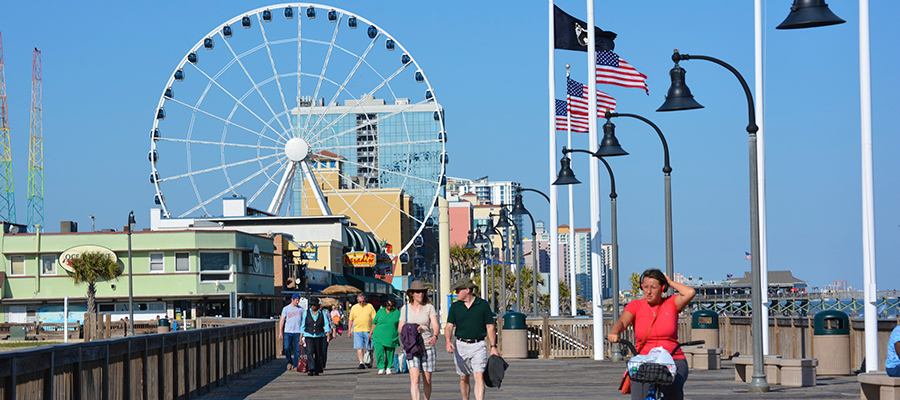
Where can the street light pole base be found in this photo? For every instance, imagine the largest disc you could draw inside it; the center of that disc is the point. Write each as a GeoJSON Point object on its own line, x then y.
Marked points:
{"type": "Point", "coordinates": [616, 355]}
{"type": "Point", "coordinates": [758, 384]}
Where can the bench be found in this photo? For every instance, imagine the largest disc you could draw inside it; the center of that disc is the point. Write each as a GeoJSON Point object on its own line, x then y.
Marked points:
{"type": "Point", "coordinates": [794, 372]}
{"type": "Point", "coordinates": [702, 358]}
{"type": "Point", "coordinates": [877, 385]}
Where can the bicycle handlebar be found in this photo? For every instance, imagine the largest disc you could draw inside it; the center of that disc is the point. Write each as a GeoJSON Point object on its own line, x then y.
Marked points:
{"type": "Point", "coordinates": [634, 351]}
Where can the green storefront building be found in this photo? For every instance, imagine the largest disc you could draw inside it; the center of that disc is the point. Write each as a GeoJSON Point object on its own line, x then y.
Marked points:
{"type": "Point", "coordinates": [176, 273]}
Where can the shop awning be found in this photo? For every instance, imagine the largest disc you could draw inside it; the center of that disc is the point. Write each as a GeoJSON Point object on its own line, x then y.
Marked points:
{"type": "Point", "coordinates": [370, 285]}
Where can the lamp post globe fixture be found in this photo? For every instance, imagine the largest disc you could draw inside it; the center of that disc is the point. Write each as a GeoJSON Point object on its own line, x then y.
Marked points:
{"type": "Point", "coordinates": [609, 146]}
{"type": "Point", "coordinates": [809, 14]}
{"type": "Point", "coordinates": [565, 176]}
{"type": "Point", "coordinates": [679, 96]}
{"type": "Point", "coordinates": [758, 381]}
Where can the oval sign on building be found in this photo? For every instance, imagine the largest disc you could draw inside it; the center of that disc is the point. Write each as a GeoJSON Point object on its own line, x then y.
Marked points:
{"type": "Point", "coordinates": [359, 259]}
{"type": "Point", "coordinates": [75, 252]}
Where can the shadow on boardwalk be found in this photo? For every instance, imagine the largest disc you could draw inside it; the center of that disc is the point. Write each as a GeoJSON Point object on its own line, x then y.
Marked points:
{"type": "Point", "coordinates": [525, 379]}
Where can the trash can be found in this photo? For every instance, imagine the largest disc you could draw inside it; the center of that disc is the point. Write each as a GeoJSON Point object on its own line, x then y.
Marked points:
{"type": "Point", "coordinates": [514, 335]}
{"type": "Point", "coordinates": [831, 340]}
{"type": "Point", "coordinates": [705, 326]}
{"type": "Point", "coordinates": [162, 326]}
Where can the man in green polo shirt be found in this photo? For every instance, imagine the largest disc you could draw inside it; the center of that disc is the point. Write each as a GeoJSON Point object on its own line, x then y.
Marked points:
{"type": "Point", "coordinates": [470, 320]}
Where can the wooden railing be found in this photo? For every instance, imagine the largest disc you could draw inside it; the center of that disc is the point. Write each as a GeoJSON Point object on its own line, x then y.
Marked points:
{"type": "Point", "coordinates": [791, 337]}
{"type": "Point", "coordinates": [173, 365]}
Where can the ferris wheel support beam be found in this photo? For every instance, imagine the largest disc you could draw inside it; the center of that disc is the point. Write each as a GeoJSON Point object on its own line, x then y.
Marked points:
{"type": "Point", "coordinates": [317, 191]}
{"type": "Point", "coordinates": [281, 192]}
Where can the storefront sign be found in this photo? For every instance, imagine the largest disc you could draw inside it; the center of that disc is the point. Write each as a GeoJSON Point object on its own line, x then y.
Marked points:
{"type": "Point", "coordinates": [75, 252]}
{"type": "Point", "coordinates": [359, 260]}
{"type": "Point", "coordinates": [309, 251]}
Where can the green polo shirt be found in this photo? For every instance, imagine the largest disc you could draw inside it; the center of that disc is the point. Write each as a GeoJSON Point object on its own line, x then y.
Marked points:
{"type": "Point", "coordinates": [470, 322]}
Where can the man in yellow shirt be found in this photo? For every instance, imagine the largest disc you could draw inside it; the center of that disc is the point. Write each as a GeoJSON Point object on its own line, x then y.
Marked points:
{"type": "Point", "coordinates": [361, 316]}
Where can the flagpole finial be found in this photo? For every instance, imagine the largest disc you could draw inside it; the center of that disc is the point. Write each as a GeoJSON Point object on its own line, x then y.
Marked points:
{"type": "Point", "coordinates": [567, 66]}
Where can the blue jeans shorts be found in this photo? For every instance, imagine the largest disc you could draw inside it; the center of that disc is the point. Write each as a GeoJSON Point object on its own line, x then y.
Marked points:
{"type": "Point", "coordinates": [361, 340]}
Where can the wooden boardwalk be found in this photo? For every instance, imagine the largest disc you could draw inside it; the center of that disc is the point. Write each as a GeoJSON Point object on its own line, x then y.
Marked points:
{"type": "Point", "coordinates": [525, 379]}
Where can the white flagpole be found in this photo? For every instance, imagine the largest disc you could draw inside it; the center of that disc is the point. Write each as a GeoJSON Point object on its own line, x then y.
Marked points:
{"type": "Point", "coordinates": [761, 172]}
{"type": "Point", "coordinates": [554, 196]}
{"type": "Point", "coordinates": [868, 204]}
{"type": "Point", "coordinates": [597, 301]}
{"type": "Point", "coordinates": [571, 241]}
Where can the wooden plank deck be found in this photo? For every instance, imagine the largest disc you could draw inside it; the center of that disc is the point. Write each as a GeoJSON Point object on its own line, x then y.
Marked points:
{"type": "Point", "coordinates": [525, 379]}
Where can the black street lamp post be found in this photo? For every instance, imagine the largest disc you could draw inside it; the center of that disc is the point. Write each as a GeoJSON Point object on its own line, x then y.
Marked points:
{"type": "Point", "coordinates": [476, 238]}
{"type": "Point", "coordinates": [130, 279]}
{"type": "Point", "coordinates": [519, 209]}
{"type": "Point", "coordinates": [667, 170]}
{"type": "Point", "coordinates": [567, 177]}
{"type": "Point", "coordinates": [679, 98]}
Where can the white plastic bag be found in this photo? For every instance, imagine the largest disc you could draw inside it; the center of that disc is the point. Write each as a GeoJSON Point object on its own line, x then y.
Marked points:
{"type": "Point", "coordinates": [661, 356]}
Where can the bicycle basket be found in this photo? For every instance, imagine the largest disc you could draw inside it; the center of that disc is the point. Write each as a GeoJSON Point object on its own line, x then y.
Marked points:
{"type": "Point", "coordinates": [652, 373]}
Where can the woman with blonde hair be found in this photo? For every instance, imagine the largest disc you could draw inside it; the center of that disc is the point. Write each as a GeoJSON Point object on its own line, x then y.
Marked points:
{"type": "Point", "coordinates": [419, 311]}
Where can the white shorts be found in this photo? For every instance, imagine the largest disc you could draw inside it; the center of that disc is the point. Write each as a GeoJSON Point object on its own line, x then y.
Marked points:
{"type": "Point", "coordinates": [426, 363]}
{"type": "Point", "coordinates": [471, 358]}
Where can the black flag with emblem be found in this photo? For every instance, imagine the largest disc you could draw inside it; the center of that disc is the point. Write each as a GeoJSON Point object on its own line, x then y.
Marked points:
{"type": "Point", "coordinates": [570, 33]}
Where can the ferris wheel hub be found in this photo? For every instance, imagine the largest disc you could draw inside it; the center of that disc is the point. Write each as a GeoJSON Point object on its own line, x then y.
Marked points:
{"type": "Point", "coordinates": [296, 149]}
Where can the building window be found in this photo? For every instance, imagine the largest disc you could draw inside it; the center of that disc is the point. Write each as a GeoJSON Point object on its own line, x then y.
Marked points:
{"type": "Point", "coordinates": [215, 266]}
{"type": "Point", "coordinates": [182, 262]}
{"type": "Point", "coordinates": [17, 265]}
{"type": "Point", "coordinates": [48, 264]}
{"type": "Point", "coordinates": [157, 263]}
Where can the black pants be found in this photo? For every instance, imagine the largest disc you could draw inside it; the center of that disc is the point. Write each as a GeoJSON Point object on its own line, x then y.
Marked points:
{"type": "Point", "coordinates": [315, 353]}
{"type": "Point", "coordinates": [675, 391]}
{"type": "Point", "coordinates": [325, 354]}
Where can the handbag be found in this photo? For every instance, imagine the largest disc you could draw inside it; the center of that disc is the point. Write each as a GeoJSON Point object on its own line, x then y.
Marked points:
{"type": "Point", "coordinates": [302, 366]}
{"type": "Point", "coordinates": [625, 384]}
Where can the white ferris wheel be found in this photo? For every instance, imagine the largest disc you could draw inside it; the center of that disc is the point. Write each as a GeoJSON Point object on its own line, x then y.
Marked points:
{"type": "Point", "coordinates": [301, 109]}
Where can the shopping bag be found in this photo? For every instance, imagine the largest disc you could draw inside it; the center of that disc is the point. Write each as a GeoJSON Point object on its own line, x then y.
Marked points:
{"type": "Point", "coordinates": [367, 356]}
{"type": "Point", "coordinates": [400, 365]}
{"type": "Point", "coordinates": [662, 356]}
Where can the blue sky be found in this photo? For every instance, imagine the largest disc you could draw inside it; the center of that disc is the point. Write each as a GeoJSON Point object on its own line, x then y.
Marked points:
{"type": "Point", "coordinates": [105, 66]}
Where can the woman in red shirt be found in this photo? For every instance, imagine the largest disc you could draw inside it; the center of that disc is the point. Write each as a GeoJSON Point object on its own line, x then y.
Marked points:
{"type": "Point", "coordinates": [656, 317]}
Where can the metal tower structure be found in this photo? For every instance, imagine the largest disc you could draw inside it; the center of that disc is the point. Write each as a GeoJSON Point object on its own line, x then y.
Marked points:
{"type": "Point", "coordinates": [36, 148]}
{"type": "Point", "coordinates": [7, 197]}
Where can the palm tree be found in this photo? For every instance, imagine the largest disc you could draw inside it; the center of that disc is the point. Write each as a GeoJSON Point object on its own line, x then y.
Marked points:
{"type": "Point", "coordinates": [464, 261]}
{"type": "Point", "coordinates": [90, 267]}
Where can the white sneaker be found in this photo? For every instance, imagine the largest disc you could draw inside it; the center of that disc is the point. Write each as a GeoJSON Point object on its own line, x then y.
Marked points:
{"type": "Point", "coordinates": [380, 372]}
{"type": "Point", "coordinates": [388, 371]}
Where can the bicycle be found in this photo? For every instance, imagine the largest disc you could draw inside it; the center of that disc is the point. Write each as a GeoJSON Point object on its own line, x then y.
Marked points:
{"type": "Point", "coordinates": [654, 374]}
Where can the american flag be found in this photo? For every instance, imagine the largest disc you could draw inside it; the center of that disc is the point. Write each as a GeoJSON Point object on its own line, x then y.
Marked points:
{"type": "Point", "coordinates": [748, 256]}
{"type": "Point", "coordinates": [579, 122]}
{"type": "Point", "coordinates": [577, 94]}
{"type": "Point", "coordinates": [613, 70]}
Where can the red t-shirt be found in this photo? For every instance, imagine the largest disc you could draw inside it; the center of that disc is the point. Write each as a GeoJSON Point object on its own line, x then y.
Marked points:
{"type": "Point", "coordinates": [664, 332]}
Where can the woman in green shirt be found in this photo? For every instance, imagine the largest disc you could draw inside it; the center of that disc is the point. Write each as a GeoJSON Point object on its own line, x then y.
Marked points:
{"type": "Point", "coordinates": [385, 336]}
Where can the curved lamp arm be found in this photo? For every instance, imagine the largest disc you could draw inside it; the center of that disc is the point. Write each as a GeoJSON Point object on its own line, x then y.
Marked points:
{"type": "Point", "coordinates": [536, 191]}
{"type": "Point", "coordinates": [666, 167]}
{"type": "Point", "coordinates": [751, 126]}
{"type": "Point", "coordinates": [612, 178]}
